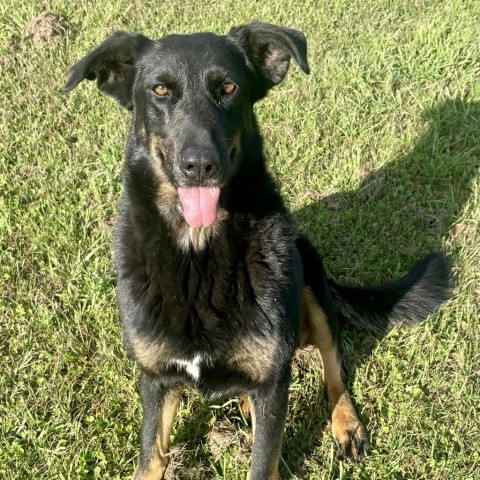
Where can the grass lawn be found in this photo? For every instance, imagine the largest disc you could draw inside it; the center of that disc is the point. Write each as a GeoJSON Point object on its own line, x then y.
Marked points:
{"type": "Point", "coordinates": [378, 153]}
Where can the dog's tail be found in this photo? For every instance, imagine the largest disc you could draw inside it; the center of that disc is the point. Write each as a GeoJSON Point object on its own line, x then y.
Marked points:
{"type": "Point", "coordinates": [407, 301]}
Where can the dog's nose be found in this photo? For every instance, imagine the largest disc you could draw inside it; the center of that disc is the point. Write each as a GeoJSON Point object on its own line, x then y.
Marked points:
{"type": "Point", "coordinates": [199, 163]}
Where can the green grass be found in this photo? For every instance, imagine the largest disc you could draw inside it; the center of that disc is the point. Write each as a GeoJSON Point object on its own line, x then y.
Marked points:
{"type": "Point", "coordinates": [377, 151]}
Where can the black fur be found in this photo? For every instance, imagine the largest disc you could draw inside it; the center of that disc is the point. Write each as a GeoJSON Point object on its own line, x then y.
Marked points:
{"type": "Point", "coordinates": [226, 296]}
{"type": "Point", "coordinates": [408, 300]}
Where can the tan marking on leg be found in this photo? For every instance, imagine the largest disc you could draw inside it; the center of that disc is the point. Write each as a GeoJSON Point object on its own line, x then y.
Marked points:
{"type": "Point", "coordinates": [246, 407]}
{"type": "Point", "coordinates": [159, 459]}
{"type": "Point", "coordinates": [273, 476]}
{"type": "Point", "coordinates": [313, 322]}
{"type": "Point", "coordinates": [252, 415]}
{"type": "Point", "coordinates": [347, 429]}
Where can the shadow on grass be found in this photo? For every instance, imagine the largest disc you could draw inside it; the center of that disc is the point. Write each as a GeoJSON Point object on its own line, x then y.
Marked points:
{"type": "Point", "coordinates": [398, 214]}
{"type": "Point", "coordinates": [401, 211]}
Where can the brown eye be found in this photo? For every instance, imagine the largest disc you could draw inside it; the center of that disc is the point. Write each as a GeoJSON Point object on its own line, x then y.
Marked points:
{"type": "Point", "coordinates": [228, 88]}
{"type": "Point", "coordinates": [161, 90]}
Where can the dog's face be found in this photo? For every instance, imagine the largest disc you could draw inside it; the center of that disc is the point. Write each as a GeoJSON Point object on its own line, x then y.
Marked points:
{"type": "Point", "coordinates": [192, 94]}
{"type": "Point", "coordinates": [191, 98]}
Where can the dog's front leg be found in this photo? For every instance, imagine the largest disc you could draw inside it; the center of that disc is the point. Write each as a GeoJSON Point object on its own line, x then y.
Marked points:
{"type": "Point", "coordinates": [160, 404]}
{"type": "Point", "coordinates": [268, 409]}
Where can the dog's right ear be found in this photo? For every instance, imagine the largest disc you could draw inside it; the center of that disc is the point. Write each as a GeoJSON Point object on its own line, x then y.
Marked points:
{"type": "Point", "coordinates": [112, 63]}
{"type": "Point", "coordinates": [269, 49]}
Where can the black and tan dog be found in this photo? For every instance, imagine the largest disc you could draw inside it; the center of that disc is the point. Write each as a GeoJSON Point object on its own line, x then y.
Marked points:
{"type": "Point", "coordinates": [216, 287]}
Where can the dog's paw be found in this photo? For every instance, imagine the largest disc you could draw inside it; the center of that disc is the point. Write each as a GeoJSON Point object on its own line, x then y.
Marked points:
{"type": "Point", "coordinates": [351, 438]}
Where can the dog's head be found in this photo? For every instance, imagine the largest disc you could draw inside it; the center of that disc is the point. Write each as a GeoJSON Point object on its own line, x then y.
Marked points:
{"type": "Point", "coordinates": [192, 98]}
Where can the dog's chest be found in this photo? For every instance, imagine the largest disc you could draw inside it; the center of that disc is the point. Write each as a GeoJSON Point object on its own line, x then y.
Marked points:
{"type": "Point", "coordinates": [192, 367]}
{"type": "Point", "coordinates": [219, 313]}
{"type": "Point", "coordinates": [250, 358]}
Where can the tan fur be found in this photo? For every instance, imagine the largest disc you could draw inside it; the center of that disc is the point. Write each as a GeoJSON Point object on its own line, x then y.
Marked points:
{"type": "Point", "coordinates": [252, 415]}
{"type": "Point", "coordinates": [313, 321]}
{"type": "Point", "coordinates": [159, 459]}
{"type": "Point", "coordinates": [254, 358]}
{"type": "Point", "coordinates": [274, 476]}
{"type": "Point", "coordinates": [246, 410]}
{"type": "Point", "coordinates": [249, 412]}
{"type": "Point", "coordinates": [167, 193]}
{"type": "Point", "coordinates": [198, 238]}
{"type": "Point", "coordinates": [345, 423]}
{"type": "Point", "coordinates": [167, 203]}
{"type": "Point", "coordinates": [148, 353]}
{"type": "Point", "coordinates": [346, 427]}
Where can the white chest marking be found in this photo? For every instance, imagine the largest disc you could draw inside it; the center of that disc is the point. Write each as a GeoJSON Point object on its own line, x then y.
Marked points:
{"type": "Point", "coordinates": [192, 367]}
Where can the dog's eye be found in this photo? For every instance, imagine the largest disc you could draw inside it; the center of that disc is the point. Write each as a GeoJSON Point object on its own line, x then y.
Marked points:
{"type": "Point", "coordinates": [228, 88]}
{"type": "Point", "coordinates": [161, 90]}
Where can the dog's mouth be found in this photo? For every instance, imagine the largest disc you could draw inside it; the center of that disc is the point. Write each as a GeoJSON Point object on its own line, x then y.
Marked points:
{"type": "Point", "coordinates": [200, 205]}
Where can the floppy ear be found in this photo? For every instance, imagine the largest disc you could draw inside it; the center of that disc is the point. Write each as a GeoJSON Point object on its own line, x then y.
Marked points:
{"type": "Point", "coordinates": [112, 63]}
{"type": "Point", "coordinates": [269, 49]}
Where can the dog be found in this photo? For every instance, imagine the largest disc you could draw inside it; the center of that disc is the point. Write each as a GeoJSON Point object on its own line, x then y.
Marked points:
{"type": "Point", "coordinates": [216, 286]}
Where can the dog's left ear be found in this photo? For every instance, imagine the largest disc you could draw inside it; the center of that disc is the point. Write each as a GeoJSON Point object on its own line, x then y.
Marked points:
{"type": "Point", "coordinates": [112, 63]}
{"type": "Point", "coordinates": [269, 48]}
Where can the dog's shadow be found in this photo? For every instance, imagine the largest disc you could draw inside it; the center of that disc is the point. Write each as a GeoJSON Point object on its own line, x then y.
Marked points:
{"type": "Point", "coordinates": [398, 213]}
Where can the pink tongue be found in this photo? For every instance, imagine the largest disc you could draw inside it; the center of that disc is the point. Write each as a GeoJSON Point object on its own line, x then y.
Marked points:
{"type": "Point", "coordinates": [199, 205]}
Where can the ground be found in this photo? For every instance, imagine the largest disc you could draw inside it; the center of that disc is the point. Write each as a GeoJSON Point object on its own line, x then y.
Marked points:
{"type": "Point", "coordinates": [377, 152]}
